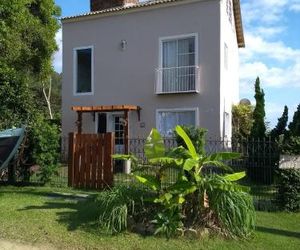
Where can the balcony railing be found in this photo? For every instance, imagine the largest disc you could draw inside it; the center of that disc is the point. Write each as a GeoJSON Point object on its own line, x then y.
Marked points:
{"type": "Point", "coordinates": [184, 79]}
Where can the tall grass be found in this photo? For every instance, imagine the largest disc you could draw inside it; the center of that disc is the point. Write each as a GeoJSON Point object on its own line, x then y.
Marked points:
{"type": "Point", "coordinates": [233, 207]}
{"type": "Point", "coordinates": [117, 205]}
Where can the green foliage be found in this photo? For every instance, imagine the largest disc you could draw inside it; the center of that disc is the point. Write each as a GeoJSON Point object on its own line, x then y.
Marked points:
{"type": "Point", "coordinates": [197, 136]}
{"type": "Point", "coordinates": [168, 222]}
{"type": "Point", "coordinates": [118, 204]}
{"type": "Point", "coordinates": [27, 43]}
{"type": "Point", "coordinates": [242, 121]}
{"type": "Point", "coordinates": [182, 203]}
{"type": "Point", "coordinates": [232, 206]}
{"type": "Point", "coordinates": [280, 128]}
{"type": "Point", "coordinates": [294, 126]}
{"type": "Point", "coordinates": [289, 145]}
{"type": "Point", "coordinates": [288, 197]}
{"type": "Point", "coordinates": [45, 147]}
{"type": "Point", "coordinates": [259, 128]}
{"type": "Point", "coordinates": [16, 101]}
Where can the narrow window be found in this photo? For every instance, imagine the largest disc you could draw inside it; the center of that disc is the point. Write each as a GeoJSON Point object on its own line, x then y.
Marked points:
{"type": "Point", "coordinates": [83, 69]}
{"type": "Point", "coordinates": [229, 10]}
{"type": "Point", "coordinates": [167, 120]}
{"type": "Point", "coordinates": [225, 56]}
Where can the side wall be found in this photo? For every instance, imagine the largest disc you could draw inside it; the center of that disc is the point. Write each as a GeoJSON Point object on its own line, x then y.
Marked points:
{"type": "Point", "coordinates": [229, 90]}
{"type": "Point", "coordinates": [128, 77]}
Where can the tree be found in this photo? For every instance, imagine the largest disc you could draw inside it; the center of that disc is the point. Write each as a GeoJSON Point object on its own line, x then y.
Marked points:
{"type": "Point", "coordinates": [294, 125]}
{"type": "Point", "coordinates": [280, 128]}
{"type": "Point", "coordinates": [27, 42]}
{"type": "Point", "coordinates": [242, 120]}
{"type": "Point", "coordinates": [259, 127]}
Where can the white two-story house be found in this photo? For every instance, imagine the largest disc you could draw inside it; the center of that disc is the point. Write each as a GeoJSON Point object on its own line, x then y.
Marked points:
{"type": "Point", "coordinates": [129, 66]}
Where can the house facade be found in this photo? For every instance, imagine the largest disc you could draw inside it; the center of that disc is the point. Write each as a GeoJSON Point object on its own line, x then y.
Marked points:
{"type": "Point", "coordinates": [170, 61]}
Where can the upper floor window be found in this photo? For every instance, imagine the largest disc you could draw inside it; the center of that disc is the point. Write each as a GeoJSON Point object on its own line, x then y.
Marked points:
{"type": "Point", "coordinates": [83, 71]}
{"type": "Point", "coordinates": [229, 10]}
{"type": "Point", "coordinates": [178, 69]}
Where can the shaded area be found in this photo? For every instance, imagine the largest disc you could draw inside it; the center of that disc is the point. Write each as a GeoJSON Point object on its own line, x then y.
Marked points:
{"type": "Point", "coordinates": [278, 232]}
{"type": "Point", "coordinates": [7, 144]}
{"type": "Point", "coordinates": [78, 212]}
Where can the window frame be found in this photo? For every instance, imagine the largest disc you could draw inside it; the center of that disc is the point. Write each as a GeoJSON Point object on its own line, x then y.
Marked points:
{"type": "Point", "coordinates": [159, 76]}
{"type": "Point", "coordinates": [177, 37]}
{"type": "Point", "coordinates": [226, 56]}
{"type": "Point", "coordinates": [174, 110]}
{"type": "Point", "coordinates": [75, 71]}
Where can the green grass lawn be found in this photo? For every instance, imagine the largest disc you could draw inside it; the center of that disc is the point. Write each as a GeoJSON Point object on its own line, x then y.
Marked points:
{"type": "Point", "coordinates": [38, 216]}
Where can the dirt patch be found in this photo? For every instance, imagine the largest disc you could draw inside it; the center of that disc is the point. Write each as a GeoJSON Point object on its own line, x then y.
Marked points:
{"type": "Point", "coordinates": [9, 245]}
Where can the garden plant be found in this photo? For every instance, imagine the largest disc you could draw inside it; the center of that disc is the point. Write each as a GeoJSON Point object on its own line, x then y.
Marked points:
{"type": "Point", "coordinates": [195, 202]}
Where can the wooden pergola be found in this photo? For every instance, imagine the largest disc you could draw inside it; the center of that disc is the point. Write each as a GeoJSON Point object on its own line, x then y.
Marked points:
{"type": "Point", "coordinates": [107, 108]}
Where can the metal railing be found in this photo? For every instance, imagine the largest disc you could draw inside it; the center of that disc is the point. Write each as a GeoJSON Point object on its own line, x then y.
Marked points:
{"type": "Point", "coordinates": [183, 79]}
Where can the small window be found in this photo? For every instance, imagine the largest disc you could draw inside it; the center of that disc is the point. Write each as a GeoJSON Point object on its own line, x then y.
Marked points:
{"type": "Point", "coordinates": [225, 56]}
{"type": "Point", "coordinates": [83, 71]}
{"type": "Point", "coordinates": [229, 10]}
{"type": "Point", "coordinates": [167, 120]}
{"type": "Point", "coordinates": [226, 124]}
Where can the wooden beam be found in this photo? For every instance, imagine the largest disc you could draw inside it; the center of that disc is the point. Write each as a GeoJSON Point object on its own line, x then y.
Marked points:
{"type": "Point", "coordinates": [79, 122]}
{"type": "Point", "coordinates": [105, 108]}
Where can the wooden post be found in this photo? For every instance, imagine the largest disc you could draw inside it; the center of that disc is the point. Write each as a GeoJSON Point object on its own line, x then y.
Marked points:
{"type": "Point", "coordinates": [126, 132]}
{"type": "Point", "coordinates": [79, 122]}
{"type": "Point", "coordinates": [71, 159]}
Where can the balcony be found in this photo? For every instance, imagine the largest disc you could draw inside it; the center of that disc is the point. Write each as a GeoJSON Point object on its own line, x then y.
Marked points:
{"type": "Point", "coordinates": [184, 79]}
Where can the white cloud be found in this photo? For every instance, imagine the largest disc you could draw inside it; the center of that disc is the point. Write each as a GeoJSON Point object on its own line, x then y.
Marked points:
{"type": "Point", "coordinates": [295, 6]}
{"type": "Point", "coordinates": [257, 45]}
{"type": "Point", "coordinates": [271, 77]}
{"type": "Point", "coordinates": [57, 57]}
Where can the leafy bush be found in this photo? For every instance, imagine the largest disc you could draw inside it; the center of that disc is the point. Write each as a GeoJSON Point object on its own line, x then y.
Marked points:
{"type": "Point", "coordinates": [197, 136]}
{"type": "Point", "coordinates": [290, 145]}
{"type": "Point", "coordinates": [288, 197]}
{"type": "Point", "coordinates": [233, 207]}
{"type": "Point", "coordinates": [45, 147]}
{"type": "Point", "coordinates": [120, 203]}
{"type": "Point", "coordinates": [189, 201]}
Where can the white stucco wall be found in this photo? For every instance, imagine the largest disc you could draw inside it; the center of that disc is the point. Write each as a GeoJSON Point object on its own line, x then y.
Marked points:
{"type": "Point", "coordinates": [128, 77]}
{"type": "Point", "coordinates": [229, 84]}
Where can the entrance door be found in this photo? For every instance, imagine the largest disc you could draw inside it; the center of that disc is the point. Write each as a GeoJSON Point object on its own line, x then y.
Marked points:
{"type": "Point", "coordinates": [118, 128]}
{"type": "Point", "coordinates": [112, 122]}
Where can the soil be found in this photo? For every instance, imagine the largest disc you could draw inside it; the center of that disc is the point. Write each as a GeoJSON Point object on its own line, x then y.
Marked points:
{"type": "Point", "coordinates": [10, 245]}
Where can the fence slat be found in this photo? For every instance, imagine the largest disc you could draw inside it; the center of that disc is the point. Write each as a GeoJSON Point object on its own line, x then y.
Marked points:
{"type": "Point", "coordinates": [90, 162]}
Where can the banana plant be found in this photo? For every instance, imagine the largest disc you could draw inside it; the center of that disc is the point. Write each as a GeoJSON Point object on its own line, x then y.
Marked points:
{"type": "Point", "coordinates": [190, 180]}
{"type": "Point", "coordinates": [184, 159]}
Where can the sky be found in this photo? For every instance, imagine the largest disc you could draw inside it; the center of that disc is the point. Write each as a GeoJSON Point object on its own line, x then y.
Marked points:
{"type": "Point", "coordinates": [272, 36]}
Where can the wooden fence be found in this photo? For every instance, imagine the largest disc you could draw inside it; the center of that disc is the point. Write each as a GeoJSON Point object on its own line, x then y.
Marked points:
{"type": "Point", "coordinates": [90, 164]}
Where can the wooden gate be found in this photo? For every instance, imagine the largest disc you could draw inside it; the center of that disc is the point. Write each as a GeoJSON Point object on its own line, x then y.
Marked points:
{"type": "Point", "coordinates": [90, 163]}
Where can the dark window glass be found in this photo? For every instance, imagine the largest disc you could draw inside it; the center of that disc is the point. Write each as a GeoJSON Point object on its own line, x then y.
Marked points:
{"type": "Point", "coordinates": [84, 71]}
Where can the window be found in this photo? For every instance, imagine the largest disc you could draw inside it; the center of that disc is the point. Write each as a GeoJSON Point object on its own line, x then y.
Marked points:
{"type": "Point", "coordinates": [229, 10]}
{"type": "Point", "coordinates": [83, 68]}
{"type": "Point", "coordinates": [167, 120]}
{"type": "Point", "coordinates": [225, 56]}
{"type": "Point", "coordinates": [178, 64]}
{"type": "Point", "coordinates": [226, 124]}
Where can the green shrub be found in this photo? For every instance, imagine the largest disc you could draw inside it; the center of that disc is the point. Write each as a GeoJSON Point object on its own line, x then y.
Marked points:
{"type": "Point", "coordinates": [290, 145]}
{"type": "Point", "coordinates": [288, 197]}
{"type": "Point", "coordinates": [120, 203]}
{"type": "Point", "coordinates": [233, 207]}
{"type": "Point", "coordinates": [44, 137]}
{"type": "Point", "coordinates": [189, 201]}
{"type": "Point", "coordinates": [197, 136]}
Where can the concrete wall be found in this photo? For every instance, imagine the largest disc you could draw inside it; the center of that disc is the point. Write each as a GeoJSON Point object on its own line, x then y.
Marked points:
{"type": "Point", "coordinates": [128, 77]}
{"type": "Point", "coordinates": [229, 89]}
